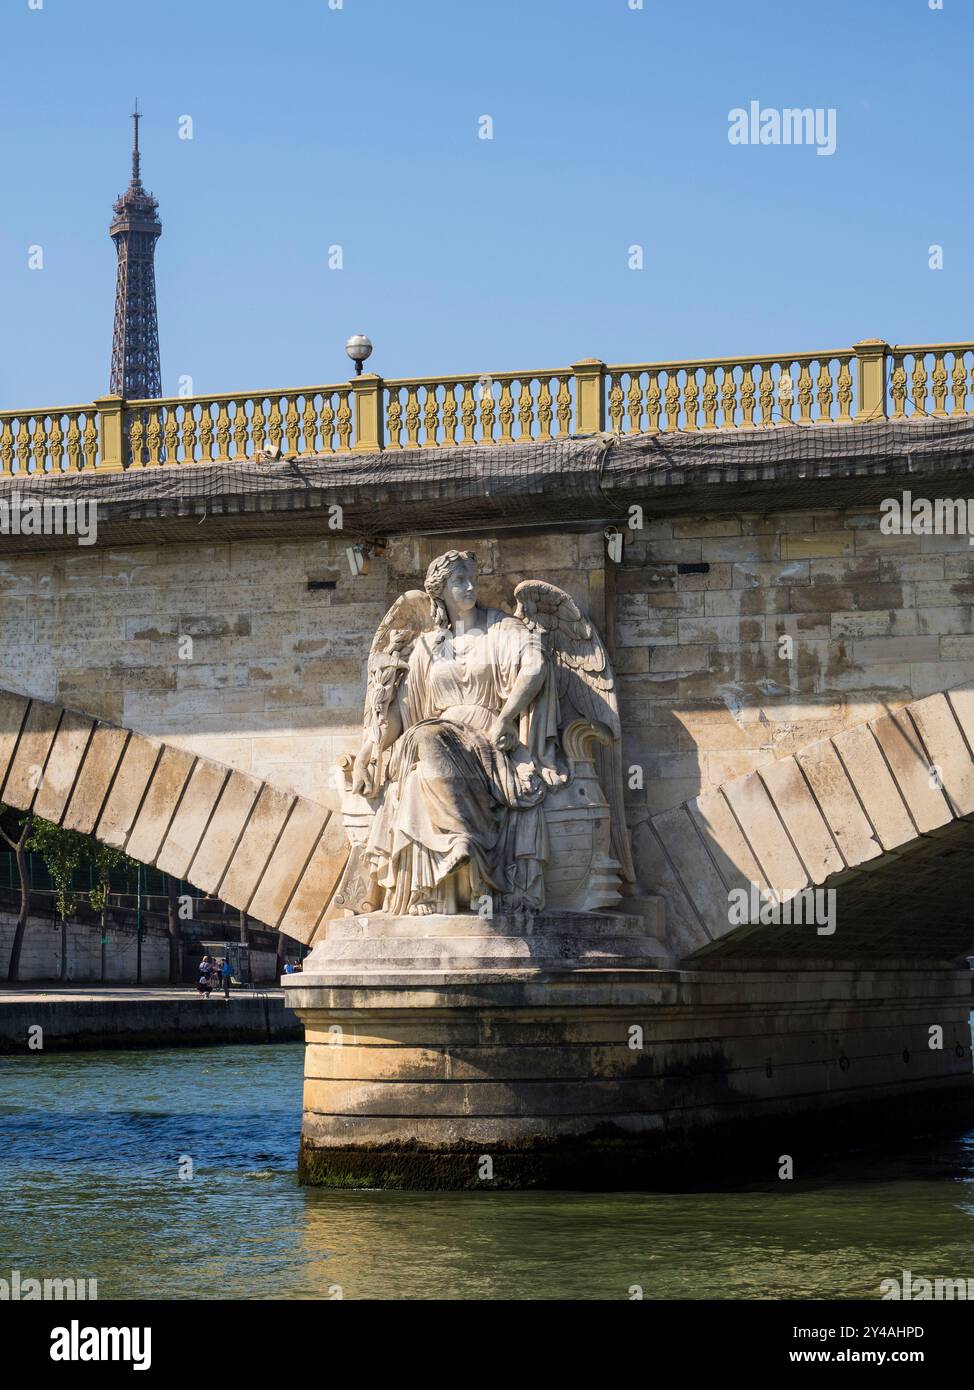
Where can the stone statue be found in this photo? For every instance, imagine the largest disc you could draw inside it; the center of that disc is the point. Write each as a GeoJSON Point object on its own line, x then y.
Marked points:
{"type": "Point", "coordinates": [475, 788]}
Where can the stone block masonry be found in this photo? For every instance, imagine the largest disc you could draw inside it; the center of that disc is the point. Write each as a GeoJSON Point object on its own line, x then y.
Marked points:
{"type": "Point", "coordinates": [41, 958]}
{"type": "Point", "coordinates": [274, 680]}
{"type": "Point", "coordinates": [442, 1054]}
{"type": "Point", "coordinates": [182, 814]}
{"type": "Point", "coordinates": [84, 1020]}
{"type": "Point", "coordinates": [711, 691]}
{"type": "Point", "coordinates": [738, 641]}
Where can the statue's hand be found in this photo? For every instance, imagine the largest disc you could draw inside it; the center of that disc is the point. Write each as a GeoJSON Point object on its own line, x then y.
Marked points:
{"type": "Point", "coordinates": [362, 770]}
{"type": "Point", "coordinates": [552, 777]}
{"type": "Point", "coordinates": [503, 735]}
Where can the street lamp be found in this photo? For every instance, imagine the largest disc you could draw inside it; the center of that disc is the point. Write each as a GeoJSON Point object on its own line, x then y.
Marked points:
{"type": "Point", "coordinates": [359, 349]}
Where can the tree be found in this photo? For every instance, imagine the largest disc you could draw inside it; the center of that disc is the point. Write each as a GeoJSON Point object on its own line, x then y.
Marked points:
{"type": "Point", "coordinates": [104, 858]}
{"type": "Point", "coordinates": [64, 852]}
{"type": "Point", "coordinates": [15, 829]}
{"type": "Point", "coordinates": [175, 938]}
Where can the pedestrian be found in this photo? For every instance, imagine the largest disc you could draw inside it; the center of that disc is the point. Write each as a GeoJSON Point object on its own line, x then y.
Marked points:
{"type": "Point", "coordinates": [226, 973]}
{"type": "Point", "coordinates": [205, 983]}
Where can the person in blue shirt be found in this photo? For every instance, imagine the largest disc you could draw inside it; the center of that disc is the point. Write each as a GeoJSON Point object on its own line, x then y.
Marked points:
{"type": "Point", "coordinates": [226, 974]}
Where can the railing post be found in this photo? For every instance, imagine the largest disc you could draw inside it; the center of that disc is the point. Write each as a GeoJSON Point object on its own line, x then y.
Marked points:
{"type": "Point", "coordinates": [871, 368]}
{"type": "Point", "coordinates": [589, 395]}
{"type": "Point", "coordinates": [111, 438]}
{"type": "Point", "coordinates": [367, 390]}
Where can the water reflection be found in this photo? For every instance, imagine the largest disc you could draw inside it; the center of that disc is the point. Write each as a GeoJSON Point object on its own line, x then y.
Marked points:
{"type": "Point", "coordinates": [92, 1145]}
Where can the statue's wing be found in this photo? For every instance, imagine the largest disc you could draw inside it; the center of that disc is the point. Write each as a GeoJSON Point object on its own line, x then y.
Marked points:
{"type": "Point", "coordinates": [392, 644]}
{"type": "Point", "coordinates": [586, 690]}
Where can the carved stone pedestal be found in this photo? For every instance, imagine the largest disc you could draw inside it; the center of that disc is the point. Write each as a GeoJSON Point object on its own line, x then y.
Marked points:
{"type": "Point", "coordinates": [452, 1052]}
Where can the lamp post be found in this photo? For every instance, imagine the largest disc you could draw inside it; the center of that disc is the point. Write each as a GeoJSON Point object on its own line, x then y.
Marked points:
{"type": "Point", "coordinates": [359, 350]}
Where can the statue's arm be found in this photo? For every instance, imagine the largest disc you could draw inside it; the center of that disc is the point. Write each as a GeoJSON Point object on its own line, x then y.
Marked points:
{"type": "Point", "coordinates": [526, 686]}
{"type": "Point", "coordinates": [374, 743]}
{"type": "Point", "coordinates": [391, 727]}
{"type": "Point", "coordinates": [527, 683]}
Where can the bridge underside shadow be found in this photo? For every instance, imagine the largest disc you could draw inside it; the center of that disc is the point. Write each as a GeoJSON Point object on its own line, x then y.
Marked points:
{"type": "Point", "coordinates": [873, 827]}
{"type": "Point", "coordinates": [907, 908]}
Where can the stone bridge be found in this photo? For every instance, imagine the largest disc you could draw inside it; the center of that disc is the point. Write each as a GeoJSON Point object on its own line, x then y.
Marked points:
{"type": "Point", "coordinates": [877, 812]}
{"type": "Point", "coordinates": [796, 684]}
{"type": "Point", "coordinates": [255, 846]}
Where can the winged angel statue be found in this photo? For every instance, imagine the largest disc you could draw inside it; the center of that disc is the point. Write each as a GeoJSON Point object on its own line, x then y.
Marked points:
{"type": "Point", "coordinates": [476, 779]}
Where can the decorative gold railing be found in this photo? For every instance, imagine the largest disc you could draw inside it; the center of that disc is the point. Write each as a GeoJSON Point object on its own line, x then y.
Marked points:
{"type": "Point", "coordinates": [49, 441]}
{"type": "Point", "coordinates": [726, 393]}
{"type": "Point", "coordinates": [502, 408]}
{"type": "Point", "coordinates": [869, 381]}
{"type": "Point", "coordinates": [931, 380]}
{"type": "Point", "coordinates": [221, 429]}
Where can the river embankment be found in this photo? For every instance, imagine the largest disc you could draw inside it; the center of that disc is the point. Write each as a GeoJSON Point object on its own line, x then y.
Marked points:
{"type": "Point", "coordinates": [66, 1018]}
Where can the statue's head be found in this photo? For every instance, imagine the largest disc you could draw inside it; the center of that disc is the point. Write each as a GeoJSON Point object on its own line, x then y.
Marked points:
{"type": "Point", "coordinates": [451, 582]}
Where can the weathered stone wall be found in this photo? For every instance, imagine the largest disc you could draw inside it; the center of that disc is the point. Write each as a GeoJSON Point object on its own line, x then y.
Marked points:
{"type": "Point", "coordinates": [695, 612]}
{"type": "Point", "coordinates": [274, 670]}
{"type": "Point", "coordinates": [42, 950]}
{"type": "Point", "coordinates": [274, 684]}
{"type": "Point", "coordinates": [427, 1080]}
{"type": "Point", "coordinates": [88, 1020]}
{"type": "Point", "coordinates": [701, 606]}
{"type": "Point", "coordinates": [40, 957]}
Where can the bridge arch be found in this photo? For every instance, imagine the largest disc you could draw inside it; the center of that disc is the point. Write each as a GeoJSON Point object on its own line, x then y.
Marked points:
{"type": "Point", "coordinates": [879, 812]}
{"type": "Point", "coordinates": [256, 846]}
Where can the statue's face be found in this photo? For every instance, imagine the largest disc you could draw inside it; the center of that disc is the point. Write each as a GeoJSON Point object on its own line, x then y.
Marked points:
{"type": "Point", "coordinates": [460, 591]}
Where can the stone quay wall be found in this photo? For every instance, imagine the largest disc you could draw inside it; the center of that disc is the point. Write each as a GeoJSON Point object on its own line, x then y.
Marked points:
{"type": "Point", "coordinates": [76, 953]}
{"type": "Point", "coordinates": [89, 1021]}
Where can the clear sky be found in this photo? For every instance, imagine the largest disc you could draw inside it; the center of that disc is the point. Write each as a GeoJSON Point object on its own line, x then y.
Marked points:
{"type": "Point", "coordinates": [359, 127]}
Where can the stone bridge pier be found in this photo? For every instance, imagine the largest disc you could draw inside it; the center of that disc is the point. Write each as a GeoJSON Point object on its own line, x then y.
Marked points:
{"type": "Point", "coordinates": [788, 970]}
{"type": "Point", "coordinates": [819, 1007]}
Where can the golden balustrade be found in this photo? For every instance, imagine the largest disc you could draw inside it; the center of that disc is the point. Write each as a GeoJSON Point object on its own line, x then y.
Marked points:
{"type": "Point", "coordinates": [238, 425]}
{"type": "Point", "coordinates": [54, 440]}
{"type": "Point", "coordinates": [492, 408]}
{"type": "Point", "coordinates": [731, 393]}
{"type": "Point", "coordinates": [868, 381]}
{"type": "Point", "coordinates": [931, 380]}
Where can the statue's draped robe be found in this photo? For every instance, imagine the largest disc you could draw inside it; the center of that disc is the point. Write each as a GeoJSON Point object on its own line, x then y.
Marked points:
{"type": "Point", "coordinates": [450, 794]}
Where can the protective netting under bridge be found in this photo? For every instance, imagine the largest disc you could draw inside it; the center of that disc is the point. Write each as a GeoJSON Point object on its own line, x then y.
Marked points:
{"type": "Point", "coordinates": [570, 480]}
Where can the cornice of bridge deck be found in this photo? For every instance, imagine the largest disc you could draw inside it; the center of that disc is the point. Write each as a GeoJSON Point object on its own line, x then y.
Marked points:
{"type": "Point", "coordinates": [577, 483]}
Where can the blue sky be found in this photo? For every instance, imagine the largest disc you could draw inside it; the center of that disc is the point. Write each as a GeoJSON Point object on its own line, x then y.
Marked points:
{"type": "Point", "coordinates": [358, 127]}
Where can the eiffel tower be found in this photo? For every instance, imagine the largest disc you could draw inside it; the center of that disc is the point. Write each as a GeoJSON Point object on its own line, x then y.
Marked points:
{"type": "Point", "coordinates": [135, 230]}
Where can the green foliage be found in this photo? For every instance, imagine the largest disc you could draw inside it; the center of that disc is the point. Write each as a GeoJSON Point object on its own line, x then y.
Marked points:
{"type": "Point", "coordinates": [65, 851]}
{"type": "Point", "coordinates": [62, 851]}
{"type": "Point", "coordinates": [105, 859]}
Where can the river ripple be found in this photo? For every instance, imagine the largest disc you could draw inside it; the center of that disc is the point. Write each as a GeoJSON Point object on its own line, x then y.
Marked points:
{"type": "Point", "coordinates": [91, 1145]}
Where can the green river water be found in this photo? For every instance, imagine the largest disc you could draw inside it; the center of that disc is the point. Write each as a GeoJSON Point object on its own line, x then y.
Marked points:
{"type": "Point", "coordinates": [91, 1146]}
